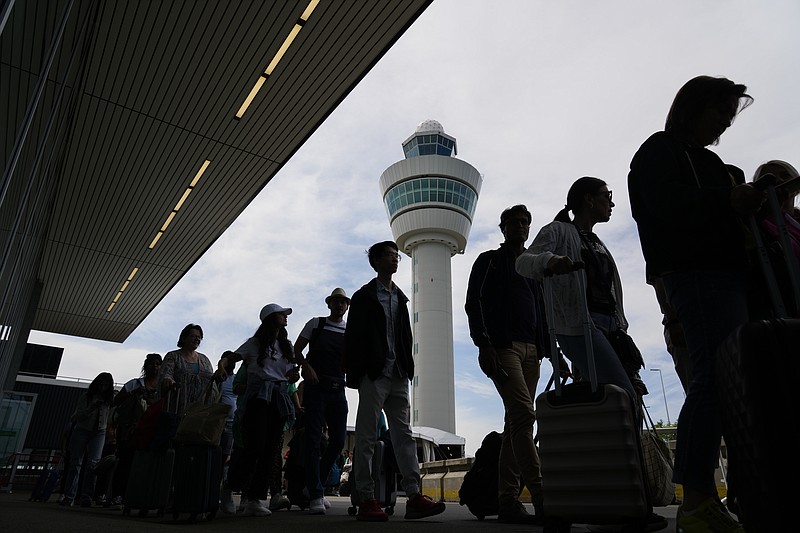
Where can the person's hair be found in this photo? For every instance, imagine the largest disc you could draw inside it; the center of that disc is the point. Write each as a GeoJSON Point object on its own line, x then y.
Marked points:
{"type": "Point", "coordinates": [575, 196]}
{"type": "Point", "coordinates": [150, 357]}
{"type": "Point", "coordinates": [763, 168]}
{"type": "Point", "coordinates": [697, 95]}
{"type": "Point", "coordinates": [94, 388]}
{"type": "Point", "coordinates": [508, 212]}
{"type": "Point", "coordinates": [266, 334]}
{"type": "Point", "coordinates": [378, 249]}
{"type": "Point", "coordinates": [186, 330]}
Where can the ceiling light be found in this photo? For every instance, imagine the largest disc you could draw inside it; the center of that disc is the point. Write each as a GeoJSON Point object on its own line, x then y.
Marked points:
{"type": "Point", "coordinates": [180, 202]}
{"type": "Point", "coordinates": [312, 5]}
{"type": "Point", "coordinates": [155, 239]}
{"type": "Point", "coordinates": [124, 286]}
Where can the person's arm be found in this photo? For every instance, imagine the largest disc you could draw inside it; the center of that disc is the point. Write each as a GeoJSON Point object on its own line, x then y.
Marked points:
{"type": "Point", "coordinates": [166, 374]}
{"type": "Point", "coordinates": [481, 270]}
{"type": "Point", "coordinates": [228, 359]}
{"type": "Point", "coordinates": [543, 254]}
{"type": "Point", "coordinates": [300, 344]}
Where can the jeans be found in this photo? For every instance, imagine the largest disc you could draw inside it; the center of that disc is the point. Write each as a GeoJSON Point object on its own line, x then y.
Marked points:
{"type": "Point", "coordinates": [391, 395]}
{"type": "Point", "coordinates": [254, 470]}
{"type": "Point", "coordinates": [518, 454]}
{"type": "Point", "coordinates": [607, 364]}
{"type": "Point", "coordinates": [323, 406]}
{"type": "Point", "coordinates": [91, 442]}
{"type": "Point", "coordinates": [710, 306]}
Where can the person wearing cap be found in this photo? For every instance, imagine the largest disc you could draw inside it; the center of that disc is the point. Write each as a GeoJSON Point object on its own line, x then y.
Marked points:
{"type": "Point", "coordinates": [506, 319]}
{"type": "Point", "coordinates": [324, 400]}
{"type": "Point", "coordinates": [378, 362]}
{"type": "Point", "coordinates": [267, 406]}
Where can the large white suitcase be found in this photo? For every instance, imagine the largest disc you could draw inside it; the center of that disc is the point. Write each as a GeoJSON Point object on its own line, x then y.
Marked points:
{"type": "Point", "coordinates": [590, 449]}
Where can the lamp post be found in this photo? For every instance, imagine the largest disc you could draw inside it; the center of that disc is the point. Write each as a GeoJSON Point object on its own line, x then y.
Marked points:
{"type": "Point", "coordinates": [663, 392]}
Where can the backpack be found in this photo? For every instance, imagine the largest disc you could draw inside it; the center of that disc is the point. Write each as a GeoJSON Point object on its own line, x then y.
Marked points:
{"type": "Point", "coordinates": [479, 489]}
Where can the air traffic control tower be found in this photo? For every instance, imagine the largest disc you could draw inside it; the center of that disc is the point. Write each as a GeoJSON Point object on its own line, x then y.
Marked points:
{"type": "Point", "coordinates": [430, 198]}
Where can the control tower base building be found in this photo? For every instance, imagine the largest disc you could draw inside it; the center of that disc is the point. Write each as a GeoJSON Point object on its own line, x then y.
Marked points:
{"type": "Point", "coordinates": [430, 198]}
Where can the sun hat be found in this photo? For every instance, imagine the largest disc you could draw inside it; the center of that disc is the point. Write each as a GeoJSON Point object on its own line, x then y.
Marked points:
{"type": "Point", "coordinates": [338, 292]}
{"type": "Point", "coordinates": [273, 308]}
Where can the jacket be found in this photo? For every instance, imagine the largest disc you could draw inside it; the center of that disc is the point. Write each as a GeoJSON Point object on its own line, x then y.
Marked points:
{"type": "Point", "coordinates": [487, 304]}
{"type": "Point", "coordinates": [365, 347]}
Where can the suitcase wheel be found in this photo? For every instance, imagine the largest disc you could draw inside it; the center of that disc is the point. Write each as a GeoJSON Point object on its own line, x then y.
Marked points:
{"type": "Point", "coordinates": [390, 510]}
{"type": "Point", "coordinates": [126, 511]}
{"type": "Point", "coordinates": [192, 518]}
{"type": "Point", "coordinates": [160, 512]}
{"type": "Point", "coordinates": [352, 510]}
{"type": "Point", "coordinates": [175, 516]}
{"type": "Point", "coordinates": [557, 526]}
{"type": "Point", "coordinates": [210, 516]}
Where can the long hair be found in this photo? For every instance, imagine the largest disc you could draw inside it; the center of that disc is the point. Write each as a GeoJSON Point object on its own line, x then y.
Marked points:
{"type": "Point", "coordinates": [575, 196]}
{"type": "Point", "coordinates": [95, 391]}
{"type": "Point", "coordinates": [266, 334]}
{"type": "Point", "coordinates": [150, 357]}
{"type": "Point", "coordinates": [698, 94]}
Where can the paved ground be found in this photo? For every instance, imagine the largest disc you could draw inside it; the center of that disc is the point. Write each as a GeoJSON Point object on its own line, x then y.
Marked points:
{"type": "Point", "coordinates": [17, 514]}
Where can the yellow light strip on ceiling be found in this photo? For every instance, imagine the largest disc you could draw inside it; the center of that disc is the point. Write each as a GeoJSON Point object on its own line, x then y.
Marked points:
{"type": "Point", "coordinates": [276, 59]}
{"type": "Point", "coordinates": [180, 203]}
{"type": "Point", "coordinates": [122, 289]}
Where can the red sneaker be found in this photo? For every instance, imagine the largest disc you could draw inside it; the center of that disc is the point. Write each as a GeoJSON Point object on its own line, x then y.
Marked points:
{"type": "Point", "coordinates": [421, 506]}
{"type": "Point", "coordinates": [370, 511]}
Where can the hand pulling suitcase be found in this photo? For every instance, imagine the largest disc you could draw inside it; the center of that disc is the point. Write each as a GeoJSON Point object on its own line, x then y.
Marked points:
{"type": "Point", "coordinates": [757, 368]}
{"type": "Point", "coordinates": [589, 445]}
{"type": "Point", "coordinates": [384, 474]}
{"type": "Point", "coordinates": [45, 484]}
{"type": "Point", "coordinates": [198, 477]}
{"type": "Point", "coordinates": [149, 481]}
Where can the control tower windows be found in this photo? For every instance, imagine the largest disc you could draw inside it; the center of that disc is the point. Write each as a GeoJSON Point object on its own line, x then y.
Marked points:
{"type": "Point", "coordinates": [429, 145]}
{"type": "Point", "coordinates": [431, 190]}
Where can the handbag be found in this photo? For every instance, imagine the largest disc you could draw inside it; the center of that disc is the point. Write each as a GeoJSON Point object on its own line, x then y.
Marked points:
{"type": "Point", "coordinates": [657, 465]}
{"type": "Point", "coordinates": [203, 422]}
{"type": "Point", "coordinates": [627, 351]}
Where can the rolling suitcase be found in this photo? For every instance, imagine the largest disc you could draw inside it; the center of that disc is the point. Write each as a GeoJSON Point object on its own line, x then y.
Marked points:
{"type": "Point", "coordinates": [149, 482]}
{"type": "Point", "coordinates": [45, 484]}
{"type": "Point", "coordinates": [756, 368]}
{"type": "Point", "coordinates": [589, 445]}
{"type": "Point", "coordinates": [384, 474]}
{"type": "Point", "coordinates": [198, 478]}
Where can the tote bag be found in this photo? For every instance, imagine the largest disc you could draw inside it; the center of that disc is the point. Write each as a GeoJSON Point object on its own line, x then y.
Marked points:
{"type": "Point", "coordinates": [203, 421]}
{"type": "Point", "coordinates": [657, 465]}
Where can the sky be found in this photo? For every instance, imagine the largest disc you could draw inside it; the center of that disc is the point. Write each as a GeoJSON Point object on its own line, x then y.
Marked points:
{"type": "Point", "coordinates": [537, 94]}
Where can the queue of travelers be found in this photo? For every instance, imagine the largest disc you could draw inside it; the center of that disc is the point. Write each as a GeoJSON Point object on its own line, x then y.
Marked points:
{"type": "Point", "coordinates": [688, 206]}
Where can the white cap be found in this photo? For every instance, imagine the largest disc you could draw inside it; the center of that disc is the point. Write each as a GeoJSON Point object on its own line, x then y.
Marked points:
{"type": "Point", "coordinates": [273, 308]}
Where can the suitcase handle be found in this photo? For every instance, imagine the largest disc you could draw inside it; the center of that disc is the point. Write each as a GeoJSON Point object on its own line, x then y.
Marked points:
{"type": "Point", "coordinates": [580, 268]}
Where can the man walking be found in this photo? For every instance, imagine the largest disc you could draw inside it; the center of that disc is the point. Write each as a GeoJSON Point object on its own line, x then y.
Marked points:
{"type": "Point", "coordinates": [379, 364]}
{"type": "Point", "coordinates": [505, 323]}
{"type": "Point", "coordinates": [324, 399]}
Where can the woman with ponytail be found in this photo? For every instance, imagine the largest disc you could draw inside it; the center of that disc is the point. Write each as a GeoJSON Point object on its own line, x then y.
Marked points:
{"type": "Point", "coordinates": [556, 248]}
{"type": "Point", "coordinates": [269, 357]}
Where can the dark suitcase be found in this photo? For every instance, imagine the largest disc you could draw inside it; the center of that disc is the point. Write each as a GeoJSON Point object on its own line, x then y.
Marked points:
{"type": "Point", "coordinates": [295, 471]}
{"type": "Point", "coordinates": [45, 484]}
{"type": "Point", "coordinates": [198, 477]}
{"type": "Point", "coordinates": [384, 474]}
{"type": "Point", "coordinates": [590, 449]}
{"type": "Point", "coordinates": [479, 489]}
{"type": "Point", "coordinates": [756, 370]}
{"type": "Point", "coordinates": [149, 482]}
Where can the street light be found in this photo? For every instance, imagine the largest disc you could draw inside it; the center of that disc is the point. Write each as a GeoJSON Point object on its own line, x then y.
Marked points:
{"type": "Point", "coordinates": [663, 392]}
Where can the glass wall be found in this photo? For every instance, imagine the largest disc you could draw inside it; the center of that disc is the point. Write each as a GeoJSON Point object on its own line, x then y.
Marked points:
{"type": "Point", "coordinates": [428, 145]}
{"type": "Point", "coordinates": [431, 189]}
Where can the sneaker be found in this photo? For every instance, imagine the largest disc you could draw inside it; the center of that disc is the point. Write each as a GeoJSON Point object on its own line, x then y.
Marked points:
{"type": "Point", "coordinates": [317, 506]}
{"type": "Point", "coordinates": [256, 508]}
{"type": "Point", "coordinates": [708, 517]}
{"type": "Point", "coordinates": [514, 512]}
{"type": "Point", "coordinates": [370, 511]}
{"type": "Point", "coordinates": [421, 506]}
{"type": "Point", "coordinates": [326, 503]}
{"type": "Point", "coordinates": [242, 504]}
{"type": "Point", "coordinates": [66, 502]}
{"type": "Point", "coordinates": [226, 504]}
{"type": "Point", "coordinates": [278, 502]}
